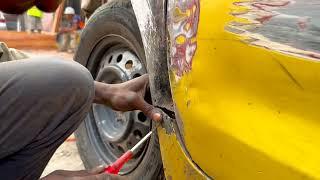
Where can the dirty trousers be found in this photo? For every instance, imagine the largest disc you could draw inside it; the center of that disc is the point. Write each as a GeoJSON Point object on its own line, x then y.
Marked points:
{"type": "Point", "coordinates": [42, 101]}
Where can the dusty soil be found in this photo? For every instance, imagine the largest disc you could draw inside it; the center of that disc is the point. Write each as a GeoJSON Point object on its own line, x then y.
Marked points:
{"type": "Point", "coordinates": [66, 157]}
{"type": "Point", "coordinates": [41, 52]}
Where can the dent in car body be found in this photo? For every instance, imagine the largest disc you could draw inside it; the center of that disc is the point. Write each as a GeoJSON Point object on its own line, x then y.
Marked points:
{"type": "Point", "coordinates": [183, 19]}
{"type": "Point", "coordinates": [177, 164]}
{"type": "Point", "coordinates": [152, 20]}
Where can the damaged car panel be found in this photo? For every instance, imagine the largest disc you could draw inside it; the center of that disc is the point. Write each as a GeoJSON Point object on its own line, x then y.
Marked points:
{"type": "Point", "coordinates": [152, 21]}
{"type": "Point", "coordinates": [249, 103]}
{"type": "Point", "coordinates": [151, 17]}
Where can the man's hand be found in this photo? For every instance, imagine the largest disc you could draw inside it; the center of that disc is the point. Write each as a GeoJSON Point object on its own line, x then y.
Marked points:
{"type": "Point", "coordinates": [126, 96]}
{"type": "Point", "coordinates": [94, 174]}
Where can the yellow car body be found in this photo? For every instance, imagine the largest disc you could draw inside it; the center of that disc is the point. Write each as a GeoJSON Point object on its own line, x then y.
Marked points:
{"type": "Point", "coordinates": [248, 104]}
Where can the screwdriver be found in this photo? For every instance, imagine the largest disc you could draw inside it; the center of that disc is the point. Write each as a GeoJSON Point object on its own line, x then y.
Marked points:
{"type": "Point", "coordinates": [115, 167]}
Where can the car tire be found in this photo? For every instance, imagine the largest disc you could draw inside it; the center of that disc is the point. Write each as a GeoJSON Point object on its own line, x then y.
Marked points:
{"type": "Point", "coordinates": [112, 26]}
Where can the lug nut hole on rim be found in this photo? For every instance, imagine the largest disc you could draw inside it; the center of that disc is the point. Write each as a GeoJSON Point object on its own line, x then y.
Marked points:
{"type": "Point", "coordinates": [137, 134]}
{"type": "Point", "coordinates": [120, 149]}
{"type": "Point", "coordinates": [119, 58]}
{"type": "Point", "coordinates": [129, 64]}
{"type": "Point", "coordinates": [129, 145]}
{"type": "Point", "coordinates": [110, 59]}
{"type": "Point", "coordinates": [142, 117]}
{"type": "Point", "coordinates": [136, 75]}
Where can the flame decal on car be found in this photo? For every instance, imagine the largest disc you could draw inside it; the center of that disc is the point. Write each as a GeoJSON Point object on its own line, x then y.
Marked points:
{"type": "Point", "coordinates": [183, 27]}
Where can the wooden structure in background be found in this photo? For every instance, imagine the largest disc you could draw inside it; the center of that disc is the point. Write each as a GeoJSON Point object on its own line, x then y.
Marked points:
{"type": "Point", "coordinates": [24, 40]}
{"type": "Point", "coordinates": [57, 18]}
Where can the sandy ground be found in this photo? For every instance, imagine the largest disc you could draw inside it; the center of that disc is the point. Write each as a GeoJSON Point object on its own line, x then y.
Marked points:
{"type": "Point", "coordinates": [39, 53]}
{"type": "Point", "coordinates": [66, 157]}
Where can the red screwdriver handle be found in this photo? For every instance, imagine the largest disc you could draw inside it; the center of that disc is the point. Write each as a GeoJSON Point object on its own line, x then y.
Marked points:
{"type": "Point", "coordinates": [117, 165]}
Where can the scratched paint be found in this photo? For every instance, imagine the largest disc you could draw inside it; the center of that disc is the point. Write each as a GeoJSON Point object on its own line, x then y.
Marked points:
{"type": "Point", "coordinates": [256, 107]}
{"type": "Point", "coordinates": [183, 29]}
{"type": "Point", "coordinates": [287, 26]}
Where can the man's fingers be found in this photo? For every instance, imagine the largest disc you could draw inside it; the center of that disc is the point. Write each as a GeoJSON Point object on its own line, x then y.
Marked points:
{"type": "Point", "coordinates": [105, 176]}
{"type": "Point", "coordinates": [157, 116]}
{"type": "Point", "coordinates": [97, 170]}
{"type": "Point", "coordinates": [66, 173]}
{"type": "Point", "coordinates": [147, 109]}
{"type": "Point", "coordinates": [138, 83]}
{"type": "Point", "coordinates": [94, 171]}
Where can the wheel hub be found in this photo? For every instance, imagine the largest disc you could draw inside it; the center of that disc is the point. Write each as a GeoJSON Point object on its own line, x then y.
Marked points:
{"type": "Point", "coordinates": [113, 126]}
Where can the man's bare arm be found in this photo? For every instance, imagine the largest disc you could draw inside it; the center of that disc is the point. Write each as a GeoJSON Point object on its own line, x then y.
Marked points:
{"type": "Point", "coordinates": [126, 96]}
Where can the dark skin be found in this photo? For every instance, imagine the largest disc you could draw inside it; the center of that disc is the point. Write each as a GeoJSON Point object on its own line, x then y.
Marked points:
{"type": "Point", "coordinates": [68, 17]}
{"type": "Point", "coordinates": [126, 96]}
{"type": "Point", "coordinates": [94, 174]}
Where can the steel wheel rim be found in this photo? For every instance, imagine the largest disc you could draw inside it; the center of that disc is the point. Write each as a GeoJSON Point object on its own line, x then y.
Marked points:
{"type": "Point", "coordinates": [111, 141]}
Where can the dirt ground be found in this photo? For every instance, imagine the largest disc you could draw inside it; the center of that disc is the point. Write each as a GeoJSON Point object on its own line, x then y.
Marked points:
{"type": "Point", "coordinates": [41, 52]}
{"type": "Point", "coordinates": [66, 157]}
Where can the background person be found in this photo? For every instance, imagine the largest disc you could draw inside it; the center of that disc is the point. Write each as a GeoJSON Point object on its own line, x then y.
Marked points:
{"type": "Point", "coordinates": [67, 37]}
{"type": "Point", "coordinates": [34, 19]}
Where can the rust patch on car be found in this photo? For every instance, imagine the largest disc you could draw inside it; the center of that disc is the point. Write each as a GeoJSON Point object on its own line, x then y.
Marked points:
{"type": "Point", "coordinates": [184, 18]}
{"type": "Point", "coordinates": [286, 26]}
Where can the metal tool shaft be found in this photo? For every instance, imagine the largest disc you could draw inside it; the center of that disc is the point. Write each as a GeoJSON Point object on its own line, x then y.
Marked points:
{"type": "Point", "coordinates": [135, 147]}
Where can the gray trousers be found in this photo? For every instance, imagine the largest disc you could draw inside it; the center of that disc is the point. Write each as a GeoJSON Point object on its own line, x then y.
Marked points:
{"type": "Point", "coordinates": [42, 101]}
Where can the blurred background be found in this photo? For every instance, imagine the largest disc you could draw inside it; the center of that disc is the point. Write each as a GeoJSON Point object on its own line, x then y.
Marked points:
{"type": "Point", "coordinates": [39, 30]}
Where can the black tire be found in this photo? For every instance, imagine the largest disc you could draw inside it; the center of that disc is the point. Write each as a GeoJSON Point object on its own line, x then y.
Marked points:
{"type": "Point", "coordinates": [115, 18]}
